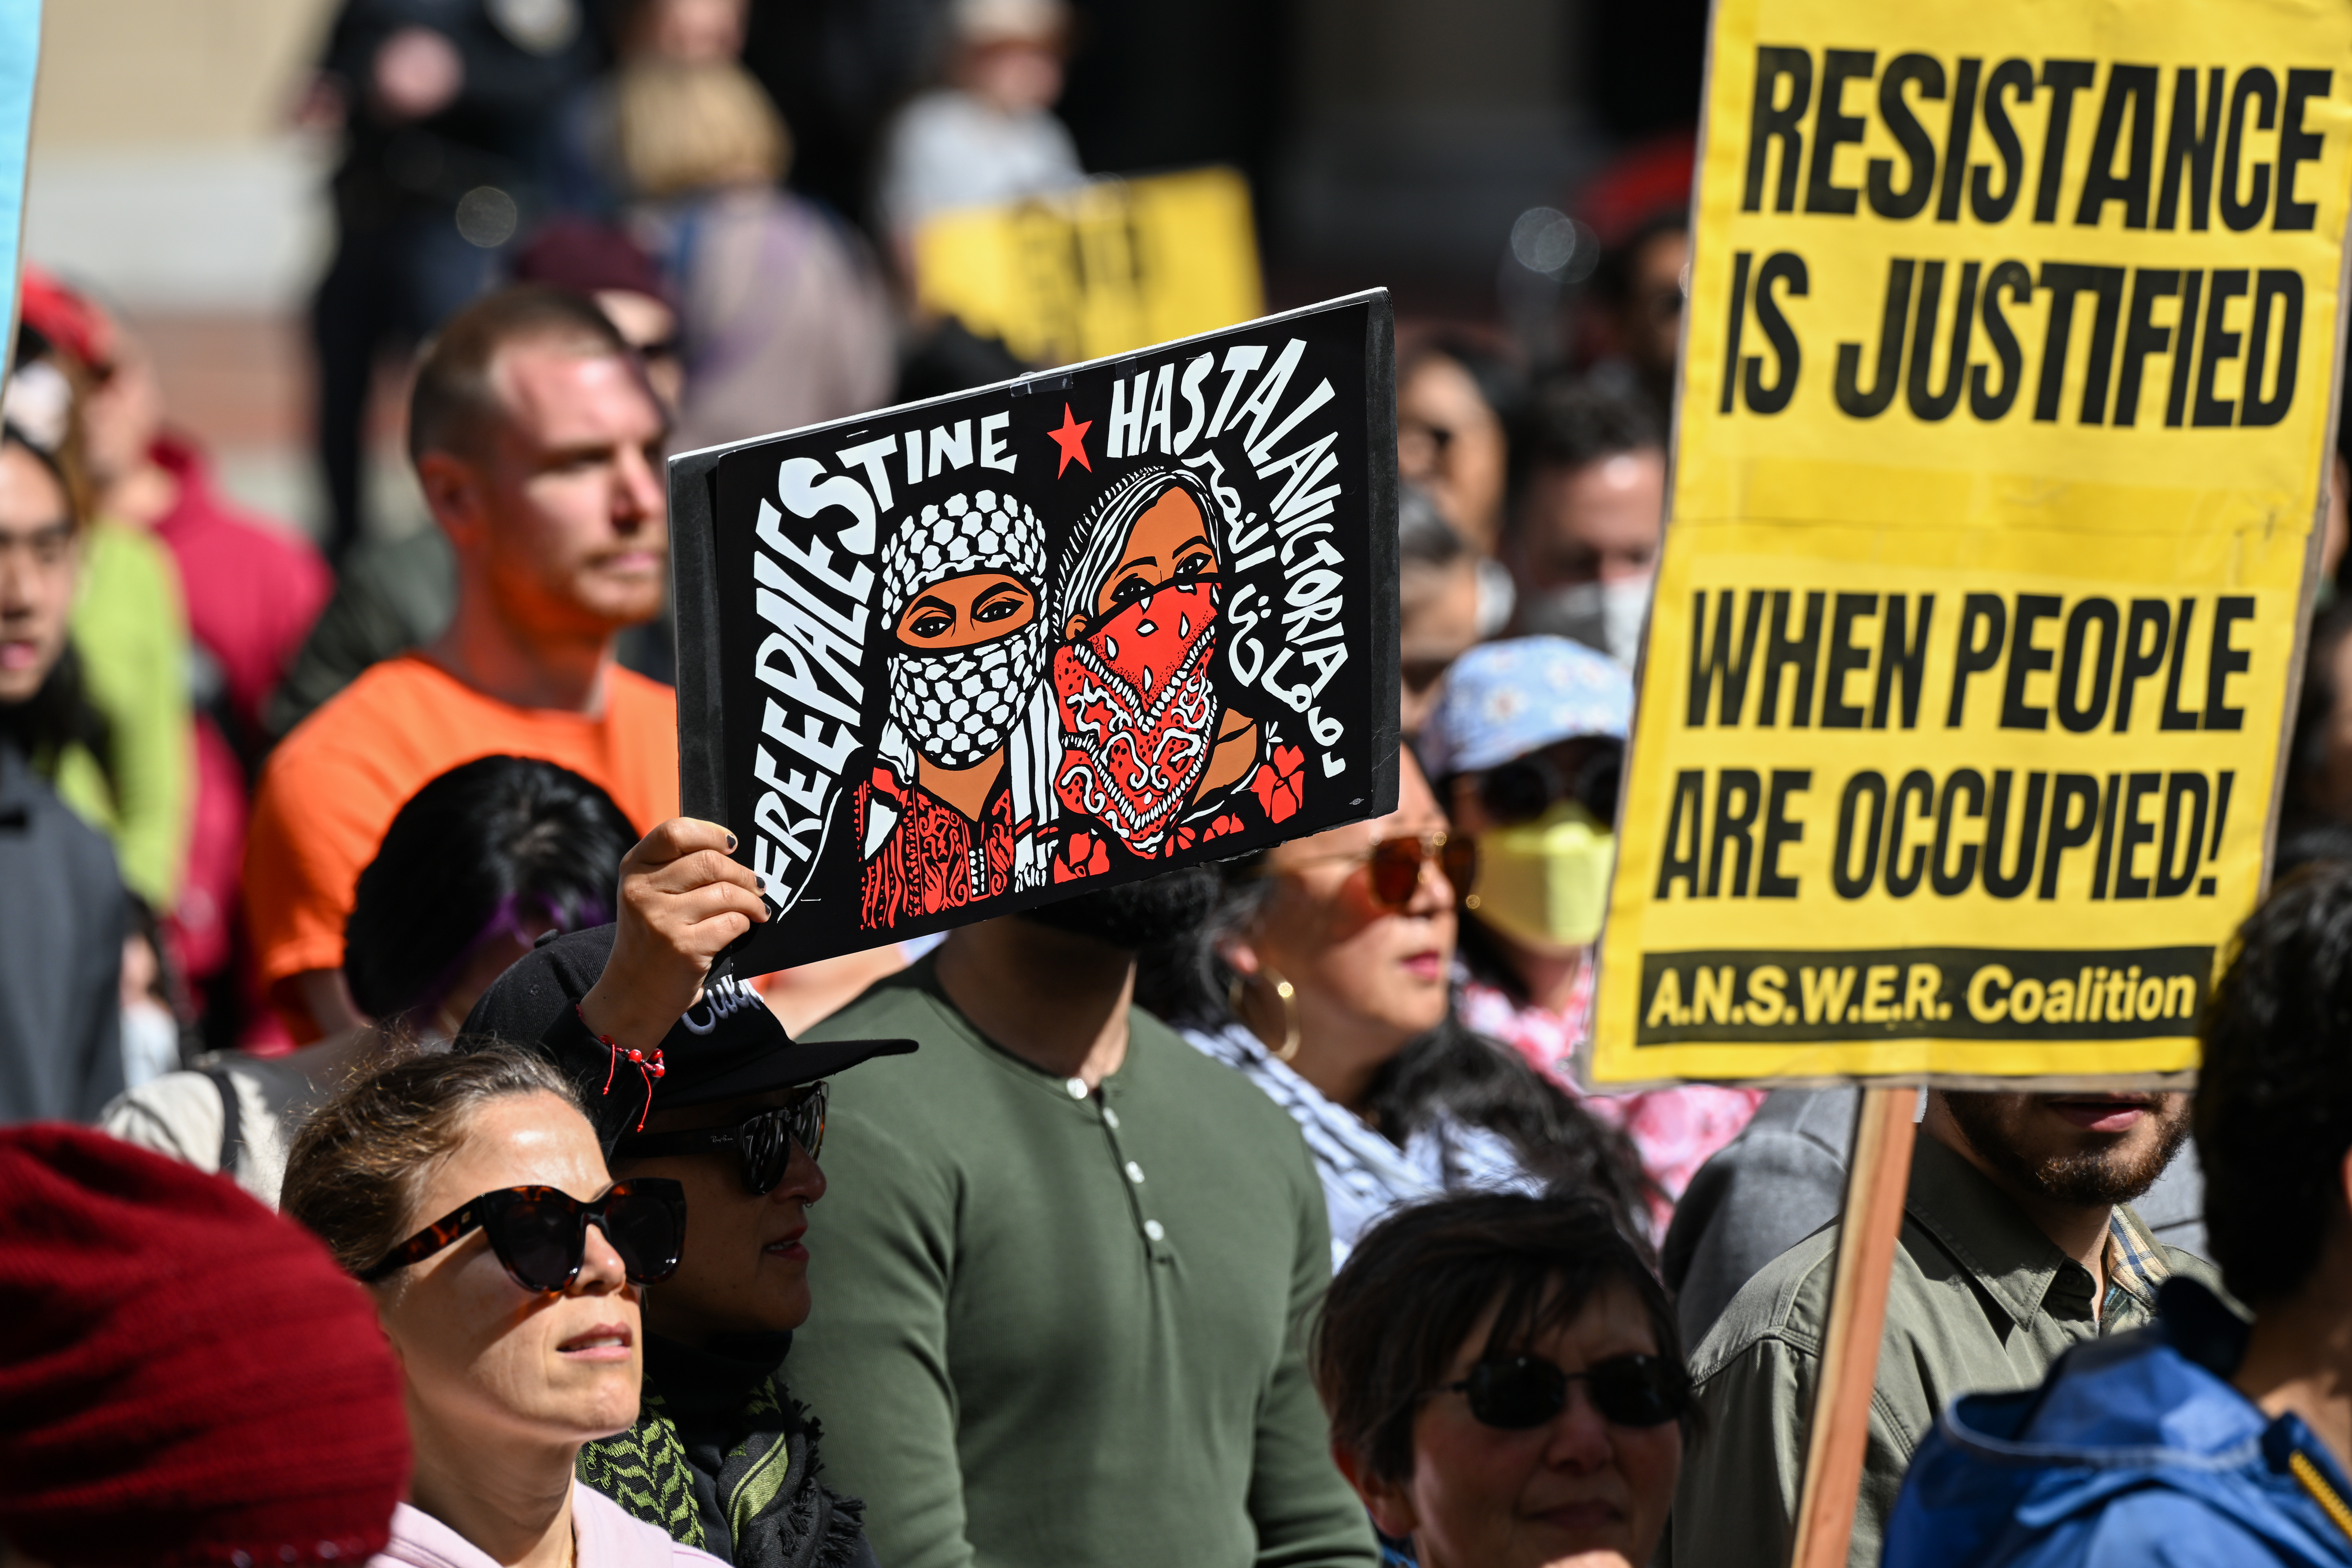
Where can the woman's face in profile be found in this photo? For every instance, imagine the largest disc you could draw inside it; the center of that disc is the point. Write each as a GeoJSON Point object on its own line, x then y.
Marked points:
{"type": "Point", "coordinates": [1578, 1489]}
{"type": "Point", "coordinates": [484, 1359]}
{"type": "Point", "coordinates": [1369, 976]}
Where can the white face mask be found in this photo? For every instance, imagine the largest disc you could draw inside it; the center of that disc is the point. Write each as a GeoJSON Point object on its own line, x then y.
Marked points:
{"type": "Point", "coordinates": [1603, 615]}
{"type": "Point", "coordinates": [1498, 596]}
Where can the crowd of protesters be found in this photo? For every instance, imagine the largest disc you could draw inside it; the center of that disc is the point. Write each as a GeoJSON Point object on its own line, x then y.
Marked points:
{"type": "Point", "coordinates": [1256, 1212]}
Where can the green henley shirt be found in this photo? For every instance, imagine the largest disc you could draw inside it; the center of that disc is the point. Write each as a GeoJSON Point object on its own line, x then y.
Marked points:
{"type": "Point", "coordinates": [1055, 1325]}
{"type": "Point", "coordinates": [1979, 1300]}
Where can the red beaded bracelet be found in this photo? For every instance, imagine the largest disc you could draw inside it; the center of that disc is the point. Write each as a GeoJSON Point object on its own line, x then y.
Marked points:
{"type": "Point", "coordinates": [649, 1069]}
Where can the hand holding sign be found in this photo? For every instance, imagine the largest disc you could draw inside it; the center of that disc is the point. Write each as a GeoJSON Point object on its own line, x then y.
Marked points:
{"type": "Point", "coordinates": [682, 901]}
{"type": "Point", "coordinates": [959, 658]}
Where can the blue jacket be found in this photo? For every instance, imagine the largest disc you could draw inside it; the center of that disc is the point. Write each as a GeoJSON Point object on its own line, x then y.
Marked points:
{"type": "Point", "coordinates": [2134, 1450]}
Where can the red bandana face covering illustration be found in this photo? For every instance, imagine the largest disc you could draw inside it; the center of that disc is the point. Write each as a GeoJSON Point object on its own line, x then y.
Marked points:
{"type": "Point", "coordinates": [1139, 713]}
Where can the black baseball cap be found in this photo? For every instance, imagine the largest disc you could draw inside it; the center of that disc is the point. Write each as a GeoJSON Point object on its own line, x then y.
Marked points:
{"type": "Point", "coordinates": [728, 1044]}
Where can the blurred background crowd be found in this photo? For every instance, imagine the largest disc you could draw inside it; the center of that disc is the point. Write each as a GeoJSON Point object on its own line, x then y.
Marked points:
{"type": "Point", "coordinates": [335, 683]}
{"type": "Point", "coordinates": [243, 224]}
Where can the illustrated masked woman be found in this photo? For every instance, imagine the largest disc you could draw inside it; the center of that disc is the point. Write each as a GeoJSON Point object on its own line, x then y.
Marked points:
{"type": "Point", "coordinates": [1150, 750]}
{"type": "Point", "coordinates": [949, 815]}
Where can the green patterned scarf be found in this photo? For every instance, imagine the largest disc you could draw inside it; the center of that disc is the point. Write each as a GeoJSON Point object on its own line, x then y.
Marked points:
{"type": "Point", "coordinates": [644, 1471]}
{"type": "Point", "coordinates": [769, 1504]}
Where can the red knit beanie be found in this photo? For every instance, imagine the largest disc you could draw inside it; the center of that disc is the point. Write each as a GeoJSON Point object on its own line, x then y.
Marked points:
{"type": "Point", "coordinates": [185, 1377]}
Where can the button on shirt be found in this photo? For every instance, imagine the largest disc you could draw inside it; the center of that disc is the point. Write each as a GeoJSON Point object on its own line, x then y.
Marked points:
{"type": "Point", "coordinates": [1057, 1324]}
{"type": "Point", "coordinates": [1981, 1299]}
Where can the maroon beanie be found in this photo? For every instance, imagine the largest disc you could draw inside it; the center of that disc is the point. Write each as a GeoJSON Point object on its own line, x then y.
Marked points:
{"type": "Point", "coordinates": [185, 1377]}
{"type": "Point", "coordinates": [589, 257]}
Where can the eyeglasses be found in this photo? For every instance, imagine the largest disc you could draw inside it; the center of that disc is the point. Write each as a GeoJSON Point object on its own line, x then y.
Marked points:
{"type": "Point", "coordinates": [1395, 864]}
{"type": "Point", "coordinates": [762, 1144]}
{"type": "Point", "coordinates": [541, 1233]}
{"type": "Point", "coordinates": [1522, 790]}
{"type": "Point", "coordinates": [1517, 1391]}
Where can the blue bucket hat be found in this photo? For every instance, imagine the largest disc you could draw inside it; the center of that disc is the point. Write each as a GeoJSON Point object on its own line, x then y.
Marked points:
{"type": "Point", "coordinates": [1503, 700]}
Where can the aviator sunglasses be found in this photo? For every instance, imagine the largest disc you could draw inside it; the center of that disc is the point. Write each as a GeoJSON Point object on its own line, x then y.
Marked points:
{"type": "Point", "coordinates": [1394, 865]}
{"type": "Point", "coordinates": [762, 1144]}
{"type": "Point", "coordinates": [1515, 1392]}
{"type": "Point", "coordinates": [541, 1233]}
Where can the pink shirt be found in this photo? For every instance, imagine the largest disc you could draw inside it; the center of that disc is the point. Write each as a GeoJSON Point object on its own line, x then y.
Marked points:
{"type": "Point", "coordinates": [603, 1536]}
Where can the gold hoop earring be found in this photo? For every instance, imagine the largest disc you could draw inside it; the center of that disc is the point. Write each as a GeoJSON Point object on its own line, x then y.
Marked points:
{"type": "Point", "coordinates": [1287, 994]}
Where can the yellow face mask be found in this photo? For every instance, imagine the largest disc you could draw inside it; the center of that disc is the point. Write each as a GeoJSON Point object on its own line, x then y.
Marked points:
{"type": "Point", "coordinates": [1545, 883]}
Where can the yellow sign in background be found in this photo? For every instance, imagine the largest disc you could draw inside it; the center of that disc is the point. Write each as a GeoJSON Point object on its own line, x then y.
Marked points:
{"type": "Point", "coordinates": [2008, 379]}
{"type": "Point", "coordinates": [1108, 267]}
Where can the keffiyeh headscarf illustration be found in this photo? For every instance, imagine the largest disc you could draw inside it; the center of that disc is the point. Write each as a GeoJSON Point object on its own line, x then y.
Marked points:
{"type": "Point", "coordinates": [958, 704]}
{"type": "Point", "coordinates": [1139, 702]}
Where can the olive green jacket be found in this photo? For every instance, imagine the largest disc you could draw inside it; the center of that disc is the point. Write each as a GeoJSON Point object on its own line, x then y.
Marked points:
{"type": "Point", "coordinates": [1979, 1300]}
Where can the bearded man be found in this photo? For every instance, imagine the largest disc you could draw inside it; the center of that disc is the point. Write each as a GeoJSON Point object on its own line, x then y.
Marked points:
{"type": "Point", "coordinates": [1148, 743]}
{"type": "Point", "coordinates": [2016, 1244]}
{"type": "Point", "coordinates": [942, 821]}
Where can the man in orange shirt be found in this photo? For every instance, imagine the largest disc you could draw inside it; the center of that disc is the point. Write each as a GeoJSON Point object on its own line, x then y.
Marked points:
{"type": "Point", "coordinates": [539, 448]}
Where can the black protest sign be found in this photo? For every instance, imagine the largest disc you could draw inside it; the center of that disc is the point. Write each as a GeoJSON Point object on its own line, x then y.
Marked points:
{"type": "Point", "coordinates": [947, 661]}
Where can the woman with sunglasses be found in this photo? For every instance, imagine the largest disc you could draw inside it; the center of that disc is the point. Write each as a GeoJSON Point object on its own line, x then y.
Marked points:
{"type": "Point", "coordinates": [468, 1193]}
{"type": "Point", "coordinates": [692, 1081]}
{"type": "Point", "coordinates": [1526, 742]}
{"type": "Point", "coordinates": [1506, 1384]}
{"type": "Point", "coordinates": [1324, 978]}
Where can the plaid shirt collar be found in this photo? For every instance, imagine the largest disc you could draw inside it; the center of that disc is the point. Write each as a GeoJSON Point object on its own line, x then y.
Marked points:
{"type": "Point", "coordinates": [2134, 1260]}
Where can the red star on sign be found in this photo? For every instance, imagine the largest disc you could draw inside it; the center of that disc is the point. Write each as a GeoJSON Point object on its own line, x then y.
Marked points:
{"type": "Point", "coordinates": [1072, 439]}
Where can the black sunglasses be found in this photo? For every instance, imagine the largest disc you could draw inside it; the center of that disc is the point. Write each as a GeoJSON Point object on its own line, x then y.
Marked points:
{"type": "Point", "coordinates": [1517, 1391]}
{"type": "Point", "coordinates": [762, 1144]}
{"type": "Point", "coordinates": [541, 1233]}
{"type": "Point", "coordinates": [1522, 790]}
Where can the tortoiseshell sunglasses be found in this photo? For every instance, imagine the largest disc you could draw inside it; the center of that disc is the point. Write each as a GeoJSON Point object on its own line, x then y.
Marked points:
{"type": "Point", "coordinates": [541, 1233]}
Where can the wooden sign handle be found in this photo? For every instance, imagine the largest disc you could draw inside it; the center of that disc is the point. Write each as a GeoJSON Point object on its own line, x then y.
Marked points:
{"type": "Point", "coordinates": [1877, 1174]}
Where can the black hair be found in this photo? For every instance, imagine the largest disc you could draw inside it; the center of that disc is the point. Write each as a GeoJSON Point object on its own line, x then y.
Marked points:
{"type": "Point", "coordinates": [1454, 1074]}
{"type": "Point", "coordinates": [2273, 1108]}
{"type": "Point", "coordinates": [1502, 385]}
{"type": "Point", "coordinates": [2312, 843]}
{"type": "Point", "coordinates": [1574, 421]}
{"type": "Point", "coordinates": [487, 844]}
{"type": "Point", "coordinates": [1132, 916]}
{"type": "Point", "coordinates": [60, 712]}
{"type": "Point", "coordinates": [1484, 956]}
{"type": "Point", "coordinates": [1612, 280]}
{"type": "Point", "coordinates": [1401, 1308]}
{"type": "Point", "coordinates": [13, 435]}
{"type": "Point", "coordinates": [2303, 803]}
{"type": "Point", "coordinates": [59, 715]}
{"type": "Point", "coordinates": [1450, 1073]}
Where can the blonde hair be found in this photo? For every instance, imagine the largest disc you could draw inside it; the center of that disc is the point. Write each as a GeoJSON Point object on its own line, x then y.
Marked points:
{"type": "Point", "coordinates": [685, 127]}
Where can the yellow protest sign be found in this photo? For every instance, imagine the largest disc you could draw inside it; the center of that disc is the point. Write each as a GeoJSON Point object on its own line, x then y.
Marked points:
{"type": "Point", "coordinates": [2008, 381]}
{"type": "Point", "coordinates": [1108, 267]}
